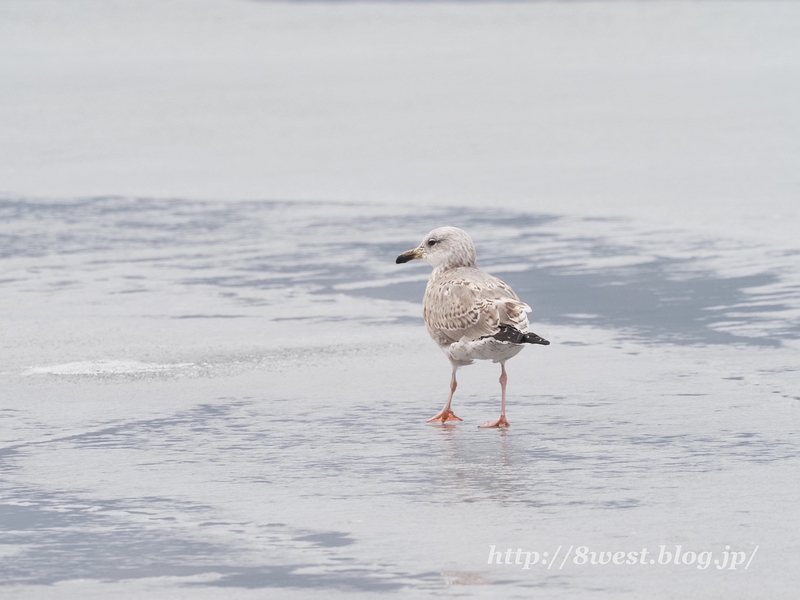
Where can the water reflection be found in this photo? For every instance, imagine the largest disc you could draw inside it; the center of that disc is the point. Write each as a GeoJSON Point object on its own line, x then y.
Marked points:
{"type": "Point", "coordinates": [589, 450]}
{"type": "Point", "coordinates": [265, 254]}
{"type": "Point", "coordinates": [558, 455]}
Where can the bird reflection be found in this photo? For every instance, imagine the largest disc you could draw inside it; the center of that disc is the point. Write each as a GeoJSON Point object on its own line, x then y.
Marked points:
{"type": "Point", "coordinates": [479, 468]}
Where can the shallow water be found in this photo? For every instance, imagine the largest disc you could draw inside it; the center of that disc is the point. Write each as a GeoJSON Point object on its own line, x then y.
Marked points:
{"type": "Point", "coordinates": [229, 398]}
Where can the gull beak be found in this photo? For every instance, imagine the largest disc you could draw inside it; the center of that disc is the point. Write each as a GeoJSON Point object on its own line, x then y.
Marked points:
{"type": "Point", "coordinates": [414, 254]}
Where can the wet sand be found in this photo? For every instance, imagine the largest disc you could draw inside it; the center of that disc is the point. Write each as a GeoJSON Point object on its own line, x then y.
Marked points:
{"type": "Point", "coordinates": [197, 398]}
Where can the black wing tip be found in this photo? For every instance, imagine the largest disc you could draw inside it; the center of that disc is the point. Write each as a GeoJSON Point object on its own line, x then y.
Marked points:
{"type": "Point", "coordinates": [532, 338]}
{"type": "Point", "coordinates": [511, 334]}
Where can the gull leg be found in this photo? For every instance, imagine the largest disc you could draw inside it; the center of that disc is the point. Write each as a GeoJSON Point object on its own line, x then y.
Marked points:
{"type": "Point", "coordinates": [501, 422]}
{"type": "Point", "coordinates": [446, 414]}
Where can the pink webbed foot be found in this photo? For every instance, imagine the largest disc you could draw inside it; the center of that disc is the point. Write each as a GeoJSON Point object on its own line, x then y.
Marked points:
{"type": "Point", "coordinates": [444, 416]}
{"type": "Point", "coordinates": [501, 422]}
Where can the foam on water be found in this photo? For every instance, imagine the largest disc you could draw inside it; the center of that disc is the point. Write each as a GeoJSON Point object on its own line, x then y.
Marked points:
{"type": "Point", "coordinates": [103, 367]}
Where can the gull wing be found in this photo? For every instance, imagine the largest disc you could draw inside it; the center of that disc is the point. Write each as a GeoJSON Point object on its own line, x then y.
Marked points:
{"type": "Point", "coordinates": [468, 303]}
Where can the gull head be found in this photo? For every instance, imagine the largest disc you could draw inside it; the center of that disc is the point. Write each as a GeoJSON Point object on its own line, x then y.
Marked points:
{"type": "Point", "coordinates": [443, 248]}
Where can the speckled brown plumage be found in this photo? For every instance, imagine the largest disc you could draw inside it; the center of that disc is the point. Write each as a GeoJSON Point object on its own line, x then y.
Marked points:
{"type": "Point", "coordinates": [470, 314]}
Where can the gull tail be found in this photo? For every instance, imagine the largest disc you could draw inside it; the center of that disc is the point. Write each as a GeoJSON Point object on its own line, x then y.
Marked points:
{"type": "Point", "coordinates": [511, 334]}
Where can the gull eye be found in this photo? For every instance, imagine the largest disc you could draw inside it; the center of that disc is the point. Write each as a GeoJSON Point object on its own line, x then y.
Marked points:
{"type": "Point", "coordinates": [431, 243]}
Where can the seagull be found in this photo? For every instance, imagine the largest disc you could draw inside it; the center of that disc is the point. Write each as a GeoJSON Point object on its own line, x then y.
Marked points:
{"type": "Point", "coordinates": [469, 314]}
